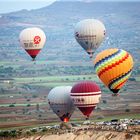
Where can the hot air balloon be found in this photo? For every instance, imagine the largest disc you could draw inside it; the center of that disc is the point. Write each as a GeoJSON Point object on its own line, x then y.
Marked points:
{"type": "Point", "coordinates": [61, 103]}
{"type": "Point", "coordinates": [85, 95]}
{"type": "Point", "coordinates": [113, 67]}
{"type": "Point", "coordinates": [32, 40]}
{"type": "Point", "coordinates": [90, 33]}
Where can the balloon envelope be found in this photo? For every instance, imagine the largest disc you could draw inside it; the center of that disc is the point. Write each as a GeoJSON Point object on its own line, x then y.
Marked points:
{"type": "Point", "coordinates": [90, 33]}
{"type": "Point", "coordinates": [113, 67]}
{"type": "Point", "coordinates": [32, 40]}
{"type": "Point", "coordinates": [61, 103]}
{"type": "Point", "coordinates": [85, 96]}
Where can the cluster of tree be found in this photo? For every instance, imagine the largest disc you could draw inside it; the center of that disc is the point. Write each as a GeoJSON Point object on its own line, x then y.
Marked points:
{"type": "Point", "coordinates": [7, 71]}
{"type": "Point", "coordinates": [52, 70]}
{"type": "Point", "coordinates": [10, 133]}
{"type": "Point", "coordinates": [49, 70]}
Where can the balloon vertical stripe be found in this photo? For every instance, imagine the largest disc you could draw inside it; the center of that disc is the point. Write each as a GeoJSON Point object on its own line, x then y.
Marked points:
{"type": "Point", "coordinates": [105, 59]}
{"type": "Point", "coordinates": [110, 66]}
{"type": "Point", "coordinates": [119, 81]}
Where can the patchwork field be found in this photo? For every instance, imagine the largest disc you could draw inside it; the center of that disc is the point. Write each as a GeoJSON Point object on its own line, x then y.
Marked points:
{"type": "Point", "coordinates": [24, 101]}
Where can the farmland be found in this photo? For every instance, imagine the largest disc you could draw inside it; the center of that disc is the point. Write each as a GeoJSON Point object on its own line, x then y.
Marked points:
{"type": "Point", "coordinates": [23, 96]}
{"type": "Point", "coordinates": [24, 102]}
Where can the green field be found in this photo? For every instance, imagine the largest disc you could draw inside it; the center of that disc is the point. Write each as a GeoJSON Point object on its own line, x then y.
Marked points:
{"type": "Point", "coordinates": [57, 78]}
{"type": "Point", "coordinates": [8, 95]}
{"type": "Point", "coordinates": [53, 84]}
{"type": "Point", "coordinates": [52, 81]}
{"type": "Point", "coordinates": [16, 105]}
{"type": "Point", "coordinates": [137, 79]}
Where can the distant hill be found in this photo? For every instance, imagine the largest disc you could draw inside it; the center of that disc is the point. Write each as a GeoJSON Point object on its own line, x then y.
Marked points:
{"type": "Point", "coordinates": [122, 22]}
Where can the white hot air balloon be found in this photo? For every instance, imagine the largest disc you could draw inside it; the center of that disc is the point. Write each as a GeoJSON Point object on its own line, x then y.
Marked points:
{"type": "Point", "coordinates": [32, 40]}
{"type": "Point", "coordinates": [90, 33]}
{"type": "Point", "coordinates": [60, 101]}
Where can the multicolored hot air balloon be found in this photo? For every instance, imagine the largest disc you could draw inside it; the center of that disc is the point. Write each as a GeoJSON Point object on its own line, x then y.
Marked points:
{"type": "Point", "coordinates": [61, 103]}
{"type": "Point", "coordinates": [113, 67]}
{"type": "Point", "coordinates": [85, 95]}
{"type": "Point", "coordinates": [32, 40]}
{"type": "Point", "coordinates": [90, 33]}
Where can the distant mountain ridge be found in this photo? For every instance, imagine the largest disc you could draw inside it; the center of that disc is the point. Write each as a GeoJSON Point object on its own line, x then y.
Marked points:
{"type": "Point", "coordinates": [58, 21]}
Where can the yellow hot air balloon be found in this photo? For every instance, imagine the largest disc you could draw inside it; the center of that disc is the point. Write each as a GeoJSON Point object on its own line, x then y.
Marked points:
{"type": "Point", "coordinates": [113, 67]}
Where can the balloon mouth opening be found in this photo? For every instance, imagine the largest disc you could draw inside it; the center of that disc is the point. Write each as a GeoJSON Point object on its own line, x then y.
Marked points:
{"type": "Point", "coordinates": [115, 91]}
{"type": "Point", "coordinates": [87, 117]}
{"type": "Point", "coordinates": [33, 59]}
{"type": "Point", "coordinates": [115, 94]}
{"type": "Point", "coordinates": [65, 119]}
{"type": "Point", "coordinates": [90, 54]}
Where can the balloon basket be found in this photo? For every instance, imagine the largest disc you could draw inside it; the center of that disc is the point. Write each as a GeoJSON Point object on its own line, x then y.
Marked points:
{"type": "Point", "coordinates": [115, 95]}
{"type": "Point", "coordinates": [33, 59]}
{"type": "Point", "coordinates": [65, 125]}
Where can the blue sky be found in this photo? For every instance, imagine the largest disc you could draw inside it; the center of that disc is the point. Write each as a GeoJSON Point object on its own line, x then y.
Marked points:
{"type": "Point", "coordinates": [15, 5]}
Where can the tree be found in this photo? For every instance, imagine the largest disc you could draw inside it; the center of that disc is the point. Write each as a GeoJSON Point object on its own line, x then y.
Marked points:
{"type": "Point", "coordinates": [37, 107]}
{"type": "Point", "coordinates": [28, 105]}
{"type": "Point", "coordinates": [89, 78]}
{"type": "Point", "coordinates": [127, 110]}
{"type": "Point", "coordinates": [132, 79]}
{"type": "Point", "coordinates": [104, 101]}
{"type": "Point", "coordinates": [28, 100]}
{"type": "Point", "coordinates": [11, 105]}
{"type": "Point", "coordinates": [84, 78]}
{"type": "Point", "coordinates": [34, 96]}
{"type": "Point", "coordinates": [67, 79]}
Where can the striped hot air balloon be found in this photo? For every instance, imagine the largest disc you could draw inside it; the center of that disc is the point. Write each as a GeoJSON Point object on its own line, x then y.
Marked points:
{"type": "Point", "coordinates": [113, 67]}
{"type": "Point", "coordinates": [90, 33]}
{"type": "Point", "coordinates": [61, 103]}
{"type": "Point", "coordinates": [85, 95]}
{"type": "Point", "coordinates": [32, 40]}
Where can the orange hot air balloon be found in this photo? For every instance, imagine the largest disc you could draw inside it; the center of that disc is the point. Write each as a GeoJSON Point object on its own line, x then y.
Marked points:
{"type": "Point", "coordinates": [113, 67]}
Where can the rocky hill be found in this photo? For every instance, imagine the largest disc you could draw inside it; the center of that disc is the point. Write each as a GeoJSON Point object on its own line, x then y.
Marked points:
{"type": "Point", "coordinates": [58, 20]}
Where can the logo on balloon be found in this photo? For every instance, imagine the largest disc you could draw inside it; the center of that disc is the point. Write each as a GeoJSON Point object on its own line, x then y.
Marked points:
{"type": "Point", "coordinates": [104, 32]}
{"type": "Point", "coordinates": [37, 39]}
